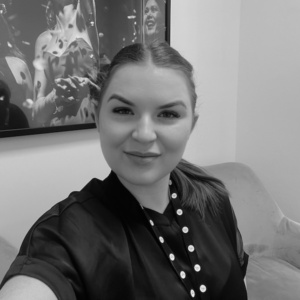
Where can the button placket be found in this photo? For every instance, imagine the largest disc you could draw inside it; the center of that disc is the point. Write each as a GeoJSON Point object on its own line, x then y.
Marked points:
{"type": "Point", "coordinates": [197, 268]}
{"type": "Point", "coordinates": [179, 213]}
{"type": "Point", "coordinates": [161, 239]}
{"type": "Point", "coordinates": [202, 288]}
{"type": "Point", "coordinates": [181, 218]}
{"type": "Point", "coordinates": [185, 229]}
{"type": "Point", "coordinates": [182, 274]}
{"type": "Point", "coordinates": [191, 248]}
{"type": "Point", "coordinates": [192, 292]}
{"type": "Point", "coordinates": [172, 257]}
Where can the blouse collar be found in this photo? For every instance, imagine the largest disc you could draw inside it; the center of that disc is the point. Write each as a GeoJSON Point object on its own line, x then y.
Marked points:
{"type": "Point", "coordinates": [119, 199]}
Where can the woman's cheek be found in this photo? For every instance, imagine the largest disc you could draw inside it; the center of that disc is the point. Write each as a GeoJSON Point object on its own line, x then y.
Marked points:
{"type": "Point", "coordinates": [177, 138]}
{"type": "Point", "coordinates": [116, 133]}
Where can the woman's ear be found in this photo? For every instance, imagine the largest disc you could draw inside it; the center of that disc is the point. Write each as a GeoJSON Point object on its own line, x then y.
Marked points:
{"type": "Point", "coordinates": [194, 121]}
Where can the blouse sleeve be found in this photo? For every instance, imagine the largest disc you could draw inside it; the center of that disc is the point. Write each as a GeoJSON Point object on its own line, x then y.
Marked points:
{"type": "Point", "coordinates": [242, 255]}
{"type": "Point", "coordinates": [45, 255]}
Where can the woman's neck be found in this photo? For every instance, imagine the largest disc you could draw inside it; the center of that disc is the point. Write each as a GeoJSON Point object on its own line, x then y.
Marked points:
{"type": "Point", "coordinates": [155, 196]}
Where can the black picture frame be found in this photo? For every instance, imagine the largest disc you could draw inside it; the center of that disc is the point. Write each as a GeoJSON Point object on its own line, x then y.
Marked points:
{"type": "Point", "coordinates": [118, 22]}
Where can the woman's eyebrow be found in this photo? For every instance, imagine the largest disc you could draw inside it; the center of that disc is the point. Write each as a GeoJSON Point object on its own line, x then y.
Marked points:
{"type": "Point", "coordinates": [171, 104]}
{"type": "Point", "coordinates": [121, 99]}
{"type": "Point", "coordinates": [128, 102]}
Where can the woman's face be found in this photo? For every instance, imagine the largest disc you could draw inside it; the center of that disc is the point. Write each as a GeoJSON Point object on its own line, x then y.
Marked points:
{"type": "Point", "coordinates": [144, 122]}
{"type": "Point", "coordinates": [152, 17]}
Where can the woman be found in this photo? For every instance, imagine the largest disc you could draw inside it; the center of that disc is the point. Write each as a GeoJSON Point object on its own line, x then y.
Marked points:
{"type": "Point", "coordinates": [14, 71]}
{"type": "Point", "coordinates": [11, 116]}
{"type": "Point", "coordinates": [65, 61]}
{"type": "Point", "coordinates": [154, 21]}
{"type": "Point", "coordinates": [157, 227]}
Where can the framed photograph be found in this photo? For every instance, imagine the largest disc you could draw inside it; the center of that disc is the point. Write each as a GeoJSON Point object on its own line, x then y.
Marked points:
{"type": "Point", "coordinates": [51, 50]}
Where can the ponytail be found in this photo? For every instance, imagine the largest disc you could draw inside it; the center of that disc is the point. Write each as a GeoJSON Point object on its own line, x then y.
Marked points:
{"type": "Point", "coordinates": [197, 189]}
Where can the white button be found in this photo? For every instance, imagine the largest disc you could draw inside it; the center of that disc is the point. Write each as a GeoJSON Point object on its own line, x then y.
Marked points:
{"type": "Point", "coordinates": [161, 239]}
{"type": "Point", "coordinates": [185, 229]}
{"type": "Point", "coordinates": [179, 212]}
{"type": "Point", "coordinates": [192, 293]}
{"type": "Point", "coordinates": [174, 195]}
{"type": "Point", "coordinates": [172, 256]}
{"type": "Point", "coordinates": [191, 248]}
{"type": "Point", "coordinates": [202, 288]}
{"type": "Point", "coordinates": [170, 182]}
{"type": "Point", "coordinates": [197, 268]}
{"type": "Point", "coordinates": [182, 274]}
{"type": "Point", "coordinates": [151, 222]}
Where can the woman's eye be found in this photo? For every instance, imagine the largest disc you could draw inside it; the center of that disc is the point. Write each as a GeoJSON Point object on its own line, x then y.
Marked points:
{"type": "Point", "coordinates": [122, 111]}
{"type": "Point", "coordinates": [169, 115]}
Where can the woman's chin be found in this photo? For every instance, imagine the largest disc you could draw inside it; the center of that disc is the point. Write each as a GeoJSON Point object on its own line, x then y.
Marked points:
{"type": "Point", "coordinates": [141, 178]}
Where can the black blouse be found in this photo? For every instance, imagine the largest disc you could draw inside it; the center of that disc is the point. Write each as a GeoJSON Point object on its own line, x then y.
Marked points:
{"type": "Point", "coordinates": [97, 244]}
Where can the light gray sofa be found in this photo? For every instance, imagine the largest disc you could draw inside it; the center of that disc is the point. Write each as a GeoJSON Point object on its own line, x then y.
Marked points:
{"type": "Point", "coordinates": [270, 238]}
{"type": "Point", "coordinates": [7, 255]}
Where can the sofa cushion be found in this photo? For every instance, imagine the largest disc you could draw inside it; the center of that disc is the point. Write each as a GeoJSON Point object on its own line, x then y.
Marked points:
{"type": "Point", "coordinates": [7, 255]}
{"type": "Point", "coordinates": [270, 278]}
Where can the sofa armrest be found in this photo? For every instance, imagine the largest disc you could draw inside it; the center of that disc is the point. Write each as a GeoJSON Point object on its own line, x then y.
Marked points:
{"type": "Point", "coordinates": [7, 255]}
{"type": "Point", "coordinates": [287, 242]}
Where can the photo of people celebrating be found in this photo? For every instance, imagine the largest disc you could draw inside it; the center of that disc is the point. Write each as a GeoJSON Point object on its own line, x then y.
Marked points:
{"type": "Point", "coordinates": [52, 50]}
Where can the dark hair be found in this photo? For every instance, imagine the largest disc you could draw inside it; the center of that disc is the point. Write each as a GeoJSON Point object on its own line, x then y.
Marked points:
{"type": "Point", "coordinates": [87, 8]}
{"type": "Point", "coordinates": [51, 13]}
{"type": "Point", "coordinates": [8, 45]}
{"type": "Point", "coordinates": [5, 91]}
{"type": "Point", "coordinates": [161, 4]}
{"type": "Point", "coordinates": [196, 188]}
{"type": "Point", "coordinates": [4, 104]}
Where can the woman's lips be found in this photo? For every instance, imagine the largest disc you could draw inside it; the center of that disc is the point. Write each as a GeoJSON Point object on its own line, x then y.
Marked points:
{"type": "Point", "coordinates": [141, 157]}
{"type": "Point", "coordinates": [142, 154]}
{"type": "Point", "coordinates": [150, 24]}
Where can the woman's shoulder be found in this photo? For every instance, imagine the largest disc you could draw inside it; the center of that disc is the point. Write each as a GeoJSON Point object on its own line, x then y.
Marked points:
{"type": "Point", "coordinates": [44, 36]}
{"type": "Point", "coordinates": [88, 200]}
{"type": "Point", "coordinates": [19, 69]}
{"type": "Point", "coordinates": [69, 221]}
{"type": "Point", "coordinates": [16, 62]}
{"type": "Point", "coordinates": [84, 209]}
{"type": "Point", "coordinates": [43, 39]}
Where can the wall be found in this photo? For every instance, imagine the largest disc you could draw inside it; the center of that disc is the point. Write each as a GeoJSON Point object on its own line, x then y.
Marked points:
{"type": "Point", "coordinates": [268, 119]}
{"type": "Point", "coordinates": [37, 171]}
{"type": "Point", "coordinates": [207, 33]}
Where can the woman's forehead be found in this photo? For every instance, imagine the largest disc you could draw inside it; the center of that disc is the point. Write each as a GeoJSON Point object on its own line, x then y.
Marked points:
{"type": "Point", "coordinates": [151, 2]}
{"type": "Point", "coordinates": [148, 73]}
{"type": "Point", "coordinates": [148, 81]}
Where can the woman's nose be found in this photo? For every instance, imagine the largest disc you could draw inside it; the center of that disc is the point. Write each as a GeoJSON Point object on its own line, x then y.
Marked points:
{"type": "Point", "coordinates": [144, 131]}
